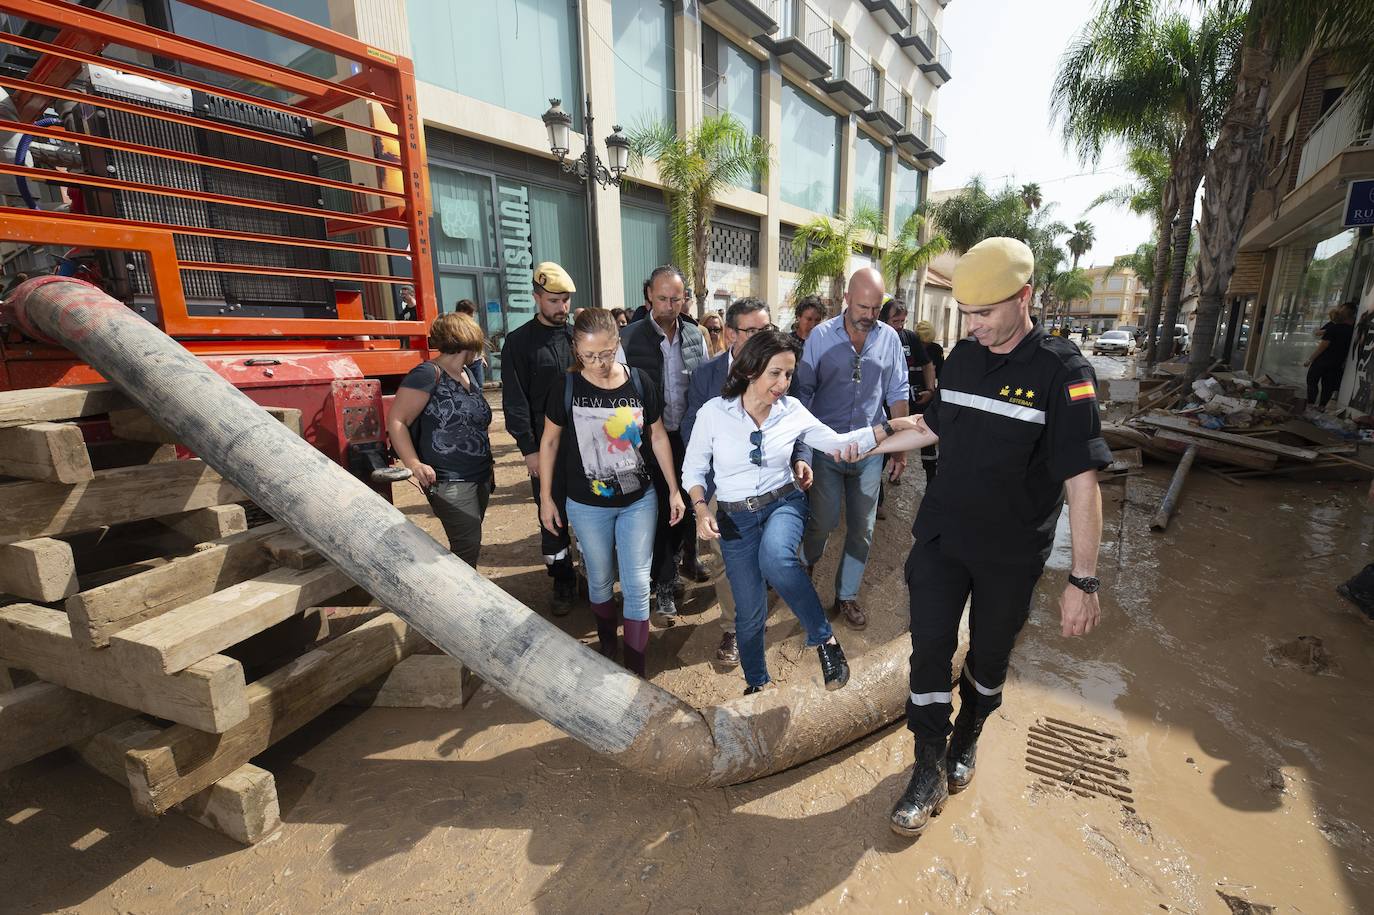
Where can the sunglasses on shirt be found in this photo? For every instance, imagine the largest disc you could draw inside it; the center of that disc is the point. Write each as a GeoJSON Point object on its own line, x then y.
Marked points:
{"type": "Point", "coordinates": [756, 439]}
{"type": "Point", "coordinates": [858, 369]}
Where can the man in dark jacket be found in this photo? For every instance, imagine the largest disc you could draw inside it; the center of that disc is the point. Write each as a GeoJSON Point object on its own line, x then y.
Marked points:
{"type": "Point", "coordinates": [666, 347]}
{"type": "Point", "coordinates": [534, 360]}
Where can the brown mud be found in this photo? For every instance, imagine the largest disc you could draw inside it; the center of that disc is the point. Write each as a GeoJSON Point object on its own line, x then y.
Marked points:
{"type": "Point", "coordinates": [1233, 683]}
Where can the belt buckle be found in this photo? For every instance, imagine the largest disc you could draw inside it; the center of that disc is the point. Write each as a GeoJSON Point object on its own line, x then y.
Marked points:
{"type": "Point", "coordinates": [752, 503]}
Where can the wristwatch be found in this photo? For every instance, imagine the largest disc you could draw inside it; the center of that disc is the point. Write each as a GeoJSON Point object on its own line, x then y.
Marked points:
{"type": "Point", "coordinates": [887, 428]}
{"type": "Point", "coordinates": [1087, 584]}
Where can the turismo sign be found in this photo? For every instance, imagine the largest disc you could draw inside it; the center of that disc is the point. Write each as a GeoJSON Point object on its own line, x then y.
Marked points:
{"type": "Point", "coordinates": [1359, 204]}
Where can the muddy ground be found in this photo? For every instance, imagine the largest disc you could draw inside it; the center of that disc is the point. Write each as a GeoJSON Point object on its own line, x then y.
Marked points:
{"type": "Point", "coordinates": [1247, 756]}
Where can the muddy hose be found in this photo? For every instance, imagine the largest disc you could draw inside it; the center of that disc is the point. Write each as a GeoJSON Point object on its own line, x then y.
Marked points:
{"type": "Point", "coordinates": [620, 716]}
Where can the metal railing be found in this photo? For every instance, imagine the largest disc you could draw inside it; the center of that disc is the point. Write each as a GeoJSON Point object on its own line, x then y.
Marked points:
{"type": "Point", "coordinates": [923, 127]}
{"type": "Point", "coordinates": [945, 57]}
{"type": "Point", "coordinates": [809, 25]}
{"type": "Point", "coordinates": [922, 26]}
{"type": "Point", "coordinates": [773, 8]}
{"type": "Point", "coordinates": [1337, 130]}
{"type": "Point", "coordinates": [892, 100]}
{"type": "Point", "coordinates": [937, 141]}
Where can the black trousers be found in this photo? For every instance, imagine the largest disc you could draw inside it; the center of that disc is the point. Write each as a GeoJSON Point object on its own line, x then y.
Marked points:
{"type": "Point", "coordinates": [555, 545]}
{"type": "Point", "coordinates": [670, 540]}
{"type": "Point", "coordinates": [1327, 378]}
{"type": "Point", "coordinates": [938, 586]}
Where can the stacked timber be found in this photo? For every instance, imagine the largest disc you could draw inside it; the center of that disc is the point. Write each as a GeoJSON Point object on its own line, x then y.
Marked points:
{"type": "Point", "coordinates": [145, 625]}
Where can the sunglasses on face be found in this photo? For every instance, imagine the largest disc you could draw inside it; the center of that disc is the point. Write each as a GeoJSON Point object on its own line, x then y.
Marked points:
{"type": "Point", "coordinates": [756, 439]}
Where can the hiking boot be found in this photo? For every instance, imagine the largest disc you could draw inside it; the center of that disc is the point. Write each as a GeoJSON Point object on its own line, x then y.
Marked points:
{"type": "Point", "coordinates": [853, 614]}
{"type": "Point", "coordinates": [963, 747]}
{"type": "Point", "coordinates": [925, 794]}
{"type": "Point", "coordinates": [564, 595]}
{"type": "Point", "coordinates": [751, 690]}
{"type": "Point", "coordinates": [666, 610]}
{"type": "Point", "coordinates": [834, 668]}
{"type": "Point", "coordinates": [728, 652]}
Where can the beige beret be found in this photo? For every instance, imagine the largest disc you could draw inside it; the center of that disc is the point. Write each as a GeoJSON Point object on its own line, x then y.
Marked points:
{"type": "Point", "coordinates": [992, 271]}
{"type": "Point", "coordinates": [552, 278]}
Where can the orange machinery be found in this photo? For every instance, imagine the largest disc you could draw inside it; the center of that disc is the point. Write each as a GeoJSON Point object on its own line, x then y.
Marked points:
{"type": "Point", "coordinates": [266, 217]}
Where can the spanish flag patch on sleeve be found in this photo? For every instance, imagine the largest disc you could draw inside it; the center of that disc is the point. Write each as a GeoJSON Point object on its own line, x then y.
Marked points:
{"type": "Point", "coordinates": [1081, 390]}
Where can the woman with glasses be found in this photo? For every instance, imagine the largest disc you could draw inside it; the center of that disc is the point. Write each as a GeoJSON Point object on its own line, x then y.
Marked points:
{"type": "Point", "coordinates": [746, 437]}
{"type": "Point", "coordinates": [612, 414]}
{"type": "Point", "coordinates": [714, 327]}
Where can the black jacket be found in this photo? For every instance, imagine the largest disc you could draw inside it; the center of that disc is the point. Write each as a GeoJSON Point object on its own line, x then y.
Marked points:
{"type": "Point", "coordinates": [534, 359]}
{"type": "Point", "coordinates": [640, 340]}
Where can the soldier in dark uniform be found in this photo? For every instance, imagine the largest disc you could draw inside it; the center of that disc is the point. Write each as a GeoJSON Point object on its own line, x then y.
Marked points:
{"type": "Point", "coordinates": [1017, 421]}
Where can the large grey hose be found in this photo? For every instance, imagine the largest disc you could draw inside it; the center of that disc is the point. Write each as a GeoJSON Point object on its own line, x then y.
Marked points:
{"type": "Point", "coordinates": [629, 720]}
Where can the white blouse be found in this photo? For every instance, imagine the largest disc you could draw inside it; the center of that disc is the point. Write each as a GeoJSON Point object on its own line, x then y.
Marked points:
{"type": "Point", "coordinates": [720, 441]}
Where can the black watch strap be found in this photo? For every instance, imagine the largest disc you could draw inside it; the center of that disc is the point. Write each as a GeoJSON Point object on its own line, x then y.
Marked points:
{"type": "Point", "coordinates": [887, 428]}
{"type": "Point", "coordinates": [1086, 584]}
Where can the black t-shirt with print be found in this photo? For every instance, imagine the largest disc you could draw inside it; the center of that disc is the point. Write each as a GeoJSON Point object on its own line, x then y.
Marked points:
{"type": "Point", "coordinates": [604, 452]}
{"type": "Point", "coordinates": [452, 435]}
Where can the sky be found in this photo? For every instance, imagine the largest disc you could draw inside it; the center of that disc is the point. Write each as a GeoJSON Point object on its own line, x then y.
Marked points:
{"type": "Point", "coordinates": [996, 113]}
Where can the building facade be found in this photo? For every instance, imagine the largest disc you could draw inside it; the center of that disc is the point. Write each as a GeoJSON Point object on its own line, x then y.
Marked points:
{"type": "Point", "coordinates": [1298, 259]}
{"type": "Point", "coordinates": [1119, 297]}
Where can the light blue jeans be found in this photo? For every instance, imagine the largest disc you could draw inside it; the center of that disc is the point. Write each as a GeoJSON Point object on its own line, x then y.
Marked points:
{"type": "Point", "coordinates": [607, 534]}
{"type": "Point", "coordinates": [855, 487]}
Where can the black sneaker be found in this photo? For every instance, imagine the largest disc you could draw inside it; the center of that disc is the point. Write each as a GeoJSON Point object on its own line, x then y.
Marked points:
{"type": "Point", "coordinates": [666, 610]}
{"type": "Point", "coordinates": [564, 595]}
{"type": "Point", "coordinates": [751, 690]}
{"type": "Point", "coordinates": [834, 668]}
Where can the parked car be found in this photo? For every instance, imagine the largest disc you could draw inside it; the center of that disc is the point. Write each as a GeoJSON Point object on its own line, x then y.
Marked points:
{"type": "Point", "coordinates": [1181, 337]}
{"type": "Point", "coordinates": [1114, 343]}
{"type": "Point", "coordinates": [1130, 329]}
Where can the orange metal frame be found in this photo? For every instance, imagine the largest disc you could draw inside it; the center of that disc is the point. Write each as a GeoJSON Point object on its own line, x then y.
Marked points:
{"type": "Point", "coordinates": [379, 346]}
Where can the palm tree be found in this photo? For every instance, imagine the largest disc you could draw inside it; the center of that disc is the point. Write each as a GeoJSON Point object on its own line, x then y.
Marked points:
{"type": "Point", "coordinates": [1151, 195]}
{"type": "Point", "coordinates": [1070, 286]}
{"type": "Point", "coordinates": [1141, 262]}
{"type": "Point", "coordinates": [1160, 80]}
{"type": "Point", "coordinates": [1049, 264]}
{"type": "Point", "coordinates": [1274, 30]}
{"type": "Point", "coordinates": [695, 169]}
{"type": "Point", "coordinates": [1081, 241]}
{"type": "Point", "coordinates": [975, 214]}
{"type": "Point", "coordinates": [908, 253]}
{"type": "Point", "coordinates": [1031, 195]}
{"type": "Point", "coordinates": [825, 246]}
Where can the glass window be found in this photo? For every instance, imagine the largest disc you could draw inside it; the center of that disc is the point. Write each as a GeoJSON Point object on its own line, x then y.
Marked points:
{"type": "Point", "coordinates": [838, 57]}
{"type": "Point", "coordinates": [644, 245]}
{"type": "Point", "coordinates": [464, 219]}
{"type": "Point", "coordinates": [870, 174]}
{"type": "Point", "coordinates": [1309, 283]}
{"type": "Point", "coordinates": [809, 152]}
{"type": "Point", "coordinates": [1113, 303]}
{"type": "Point", "coordinates": [1116, 283]}
{"type": "Point", "coordinates": [246, 39]}
{"type": "Point", "coordinates": [732, 82]}
{"type": "Point", "coordinates": [907, 193]}
{"type": "Point", "coordinates": [517, 54]}
{"type": "Point", "coordinates": [643, 61]}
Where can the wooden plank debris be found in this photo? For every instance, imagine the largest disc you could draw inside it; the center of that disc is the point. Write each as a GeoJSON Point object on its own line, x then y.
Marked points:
{"type": "Point", "coordinates": [206, 524]}
{"type": "Point", "coordinates": [100, 612]}
{"type": "Point", "coordinates": [42, 570]}
{"type": "Point", "coordinates": [242, 805]}
{"type": "Point", "coordinates": [40, 717]}
{"type": "Point", "coordinates": [180, 637]}
{"type": "Point", "coordinates": [33, 405]}
{"type": "Point", "coordinates": [288, 549]}
{"type": "Point", "coordinates": [111, 497]}
{"type": "Point", "coordinates": [209, 695]}
{"type": "Point", "coordinates": [1179, 424]}
{"type": "Point", "coordinates": [420, 681]}
{"type": "Point", "coordinates": [181, 761]}
{"type": "Point", "coordinates": [1166, 507]}
{"type": "Point", "coordinates": [1179, 442]}
{"type": "Point", "coordinates": [132, 424]}
{"type": "Point", "coordinates": [47, 452]}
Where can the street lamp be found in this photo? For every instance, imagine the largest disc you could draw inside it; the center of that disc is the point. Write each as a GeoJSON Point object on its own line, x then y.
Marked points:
{"type": "Point", "coordinates": [589, 164]}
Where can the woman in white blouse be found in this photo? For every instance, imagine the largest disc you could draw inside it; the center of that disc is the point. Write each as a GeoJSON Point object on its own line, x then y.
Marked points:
{"type": "Point", "coordinates": [746, 437]}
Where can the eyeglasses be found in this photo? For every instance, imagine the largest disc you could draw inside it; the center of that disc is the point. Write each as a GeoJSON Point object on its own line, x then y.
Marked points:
{"type": "Point", "coordinates": [714, 330]}
{"type": "Point", "coordinates": [597, 358]}
{"type": "Point", "coordinates": [756, 439]}
{"type": "Point", "coordinates": [663, 300]}
{"type": "Point", "coordinates": [858, 369]}
{"type": "Point", "coordinates": [750, 331]}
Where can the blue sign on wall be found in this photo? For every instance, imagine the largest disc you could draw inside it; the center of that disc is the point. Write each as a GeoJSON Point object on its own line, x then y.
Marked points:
{"type": "Point", "coordinates": [1359, 204]}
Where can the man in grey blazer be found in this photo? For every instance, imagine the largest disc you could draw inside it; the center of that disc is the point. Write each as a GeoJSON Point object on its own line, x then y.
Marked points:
{"type": "Point", "coordinates": [744, 318]}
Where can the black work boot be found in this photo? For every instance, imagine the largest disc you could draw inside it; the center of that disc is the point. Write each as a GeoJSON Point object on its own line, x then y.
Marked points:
{"type": "Point", "coordinates": [927, 792]}
{"type": "Point", "coordinates": [834, 667]}
{"type": "Point", "coordinates": [564, 586]}
{"type": "Point", "coordinates": [1359, 590]}
{"type": "Point", "coordinates": [963, 747]}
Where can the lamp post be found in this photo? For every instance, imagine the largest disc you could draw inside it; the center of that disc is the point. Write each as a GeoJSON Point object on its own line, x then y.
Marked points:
{"type": "Point", "coordinates": [589, 164]}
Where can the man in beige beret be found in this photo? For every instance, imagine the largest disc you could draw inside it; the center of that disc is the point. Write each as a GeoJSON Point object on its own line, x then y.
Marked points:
{"type": "Point", "coordinates": [1017, 421]}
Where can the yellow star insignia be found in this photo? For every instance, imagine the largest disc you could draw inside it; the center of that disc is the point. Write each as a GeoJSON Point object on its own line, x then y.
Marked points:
{"type": "Point", "coordinates": [1005, 392]}
{"type": "Point", "coordinates": [1029, 393]}
{"type": "Point", "coordinates": [1018, 392]}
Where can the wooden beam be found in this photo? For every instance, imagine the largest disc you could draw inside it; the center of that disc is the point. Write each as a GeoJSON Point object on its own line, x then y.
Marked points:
{"type": "Point", "coordinates": [1248, 458]}
{"type": "Point", "coordinates": [33, 405]}
{"type": "Point", "coordinates": [113, 496]}
{"type": "Point", "coordinates": [48, 452]}
{"type": "Point", "coordinates": [206, 524]}
{"type": "Point", "coordinates": [132, 424]}
{"type": "Point", "coordinates": [242, 805]}
{"type": "Point", "coordinates": [419, 681]}
{"type": "Point", "coordinates": [42, 570]}
{"type": "Point", "coordinates": [1166, 507]}
{"type": "Point", "coordinates": [1179, 424]}
{"type": "Point", "coordinates": [179, 638]}
{"type": "Point", "coordinates": [116, 453]}
{"type": "Point", "coordinates": [100, 612]}
{"type": "Point", "coordinates": [181, 761]}
{"type": "Point", "coordinates": [209, 695]}
{"type": "Point", "coordinates": [288, 549]}
{"type": "Point", "coordinates": [41, 717]}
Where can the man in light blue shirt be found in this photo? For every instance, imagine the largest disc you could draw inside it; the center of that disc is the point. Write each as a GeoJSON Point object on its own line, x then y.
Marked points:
{"type": "Point", "coordinates": [851, 366]}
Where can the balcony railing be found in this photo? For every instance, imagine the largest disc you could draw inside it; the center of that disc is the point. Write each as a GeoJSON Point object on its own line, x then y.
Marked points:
{"type": "Point", "coordinates": [922, 26]}
{"type": "Point", "coordinates": [1337, 130]}
{"type": "Point", "coordinates": [946, 56]}
{"type": "Point", "coordinates": [937, 141]}
{"type": "Point", "coordinates": [892, 101]}
{"type": "Point", "coordinates": [808, 25]}
{"type": "Point", "coordinates": [924, 126]}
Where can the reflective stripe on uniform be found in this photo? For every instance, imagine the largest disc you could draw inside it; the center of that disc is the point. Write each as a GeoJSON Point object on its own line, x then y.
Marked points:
{"type": "Point", "coordinates": [932, 698]}
{"type": "Point", "coordinates": [988, 405]}
{"type": "Point", "coordinates": [978, 686]}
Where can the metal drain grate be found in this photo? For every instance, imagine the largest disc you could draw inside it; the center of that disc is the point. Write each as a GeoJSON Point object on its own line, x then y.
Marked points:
{"type": "Point", "coordinates": [1083, 759]}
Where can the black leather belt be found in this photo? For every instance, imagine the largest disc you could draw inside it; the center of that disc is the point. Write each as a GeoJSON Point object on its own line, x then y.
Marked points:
{"type": "Point", "coordinates": [754, 503]}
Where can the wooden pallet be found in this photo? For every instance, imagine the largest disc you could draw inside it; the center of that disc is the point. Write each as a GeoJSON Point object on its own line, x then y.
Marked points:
{"type": "Point", "coordinates": [151, 630]}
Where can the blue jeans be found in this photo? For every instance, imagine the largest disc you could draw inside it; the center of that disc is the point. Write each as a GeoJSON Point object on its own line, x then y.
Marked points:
{"type": "Point", "coordinates": [760, 546]}
{"type": "Point", "coordinates": [605, 534]}
{"type": "Point", "coordinates": [856, 486]}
